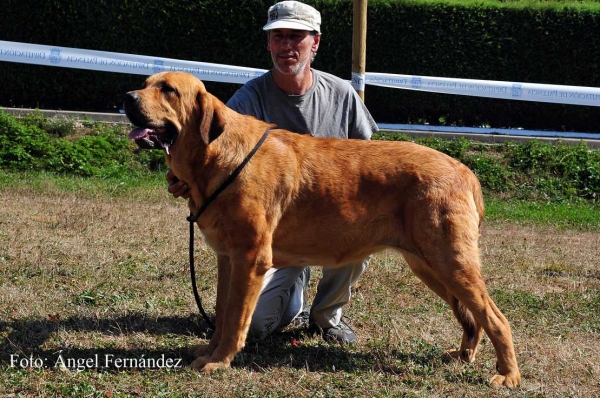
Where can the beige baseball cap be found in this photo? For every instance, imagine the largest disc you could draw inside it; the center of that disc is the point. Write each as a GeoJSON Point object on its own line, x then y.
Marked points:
{"type": "Point", "coordinates": [293, 15]}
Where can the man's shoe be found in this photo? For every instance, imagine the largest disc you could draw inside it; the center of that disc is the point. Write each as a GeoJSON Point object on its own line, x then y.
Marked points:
{"type": "Point", "coordinates": [301, 321]}
{"type": "Point", "coordinates": [341, 334]}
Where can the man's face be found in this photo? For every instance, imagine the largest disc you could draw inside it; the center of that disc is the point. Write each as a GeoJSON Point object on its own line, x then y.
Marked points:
{"type": "Point", "coordinates": [291, 50]}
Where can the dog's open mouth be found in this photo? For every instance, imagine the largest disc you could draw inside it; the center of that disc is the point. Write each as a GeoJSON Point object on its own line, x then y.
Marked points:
{"type": "Point", "coordinates": [153, 137]}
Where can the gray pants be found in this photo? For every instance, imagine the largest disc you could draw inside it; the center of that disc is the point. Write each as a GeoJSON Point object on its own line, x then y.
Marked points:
{"type": "Point", "coordinates": [283, 297]}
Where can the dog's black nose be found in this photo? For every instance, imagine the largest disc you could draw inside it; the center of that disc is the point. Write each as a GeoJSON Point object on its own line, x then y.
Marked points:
{"type": "Point", "coordinates": [130, 102]}
{"type": "Point", "coordinates": [131, 97]}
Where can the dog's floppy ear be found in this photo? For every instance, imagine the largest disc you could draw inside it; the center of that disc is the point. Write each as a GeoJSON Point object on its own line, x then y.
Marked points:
{"type": "Point", "coordinates": [212, 123]}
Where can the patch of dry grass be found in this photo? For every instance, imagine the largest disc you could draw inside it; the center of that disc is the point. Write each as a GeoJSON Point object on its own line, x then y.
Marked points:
{"type": "Point", "coordinates": [82, 276]}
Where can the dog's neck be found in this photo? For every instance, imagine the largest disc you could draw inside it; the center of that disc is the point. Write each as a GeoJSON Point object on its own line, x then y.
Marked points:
{"type": "Point", "coordinates": [221, 156]}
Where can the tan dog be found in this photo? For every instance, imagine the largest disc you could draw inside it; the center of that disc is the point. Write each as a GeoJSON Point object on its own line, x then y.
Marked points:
{"type": "Point", "coordinates": [306, 200]}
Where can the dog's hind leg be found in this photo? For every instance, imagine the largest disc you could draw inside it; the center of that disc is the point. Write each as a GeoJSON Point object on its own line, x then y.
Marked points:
{"type": "Point", "coordinates": [446, 243]}
{"type": "Point", "coordinates": [469, 288]}
{"type": "Point", "coordinates": [472, 330]}
{"type": "Point", "coordinates": [455, 259]}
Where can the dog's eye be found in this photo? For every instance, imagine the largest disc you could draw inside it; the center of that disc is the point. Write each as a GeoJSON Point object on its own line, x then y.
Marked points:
{"type": "Point", "coordinates": [168, 89]}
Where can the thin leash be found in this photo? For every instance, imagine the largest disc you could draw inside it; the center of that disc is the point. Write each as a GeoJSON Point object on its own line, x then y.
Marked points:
{"type": "Point", "coordinates": [194, 217]}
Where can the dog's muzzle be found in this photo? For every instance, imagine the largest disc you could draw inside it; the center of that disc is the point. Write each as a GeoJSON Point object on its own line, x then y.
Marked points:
{"type": "Point", "coordinates": [147, 135]}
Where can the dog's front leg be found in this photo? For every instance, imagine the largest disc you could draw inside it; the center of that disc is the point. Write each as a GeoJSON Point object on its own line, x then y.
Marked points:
{"type": "Point", "coordinates": [223, 278]}
{"type": "Point", "coordinates": [246, 278]}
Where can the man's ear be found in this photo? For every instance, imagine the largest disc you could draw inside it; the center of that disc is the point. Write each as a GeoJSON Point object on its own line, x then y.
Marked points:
{"type": "Point", "coordinates": [316, 42]}
{"type": "Point", "coordinates": [212, 123]}
{"type": "Point", "coordinates": [269, 40]}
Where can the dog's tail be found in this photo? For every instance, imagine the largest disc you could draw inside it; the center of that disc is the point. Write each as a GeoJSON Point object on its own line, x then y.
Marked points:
{"type": "Point", "coordinates": [478, 199]}
{"type": "Point", "coordinates": [473, 185]}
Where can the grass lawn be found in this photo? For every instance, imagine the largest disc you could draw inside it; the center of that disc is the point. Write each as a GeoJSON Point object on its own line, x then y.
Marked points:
{"type": "Point", "coordinates": [96, 301]}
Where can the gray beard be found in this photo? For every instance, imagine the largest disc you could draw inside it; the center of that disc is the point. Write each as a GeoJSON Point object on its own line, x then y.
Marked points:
{"type": "Point", "coordinates": [296, 69]}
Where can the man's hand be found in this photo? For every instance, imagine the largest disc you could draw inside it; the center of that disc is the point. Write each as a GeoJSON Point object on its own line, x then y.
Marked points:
{"type": "Point", "coordinates": [177, 187]}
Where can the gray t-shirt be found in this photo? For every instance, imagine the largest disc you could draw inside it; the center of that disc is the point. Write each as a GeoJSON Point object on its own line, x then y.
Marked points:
{"type": "Point", "coordinates": [330, 108]}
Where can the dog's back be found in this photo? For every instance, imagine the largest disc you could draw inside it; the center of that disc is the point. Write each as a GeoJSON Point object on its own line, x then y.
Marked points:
{"type": "Point", "coordinates": [366, 195]}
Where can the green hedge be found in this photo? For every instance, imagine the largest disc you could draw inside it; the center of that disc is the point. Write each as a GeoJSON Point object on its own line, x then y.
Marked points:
{"type": "Point", "coordinates": [491, 41]}
{"type": "Point", "coordinates": [556, 43]}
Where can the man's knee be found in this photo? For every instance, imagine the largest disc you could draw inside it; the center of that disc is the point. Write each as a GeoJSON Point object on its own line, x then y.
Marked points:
{"type": "Point", "coordinates": [257, 333]}
{"type": "Point", "coordinates": [262, 324]}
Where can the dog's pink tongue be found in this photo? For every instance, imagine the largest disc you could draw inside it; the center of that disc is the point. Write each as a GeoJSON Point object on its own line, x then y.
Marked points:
{"type": "Point", "coordinates": [138, 133]}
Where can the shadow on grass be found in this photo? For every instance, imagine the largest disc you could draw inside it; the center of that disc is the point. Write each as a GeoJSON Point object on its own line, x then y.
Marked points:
{"type": "Point", "coordinates": [301, 350]}
{"type": "Point", "coordinates": [23, 340]}
{"type": "Point", "coordinates": [24, 337]}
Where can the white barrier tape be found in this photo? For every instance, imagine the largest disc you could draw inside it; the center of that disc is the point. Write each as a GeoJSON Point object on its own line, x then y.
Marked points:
{"type": "Point", "coordinates": [573, 95]}
{"type": "Point", "coordinates": [358, 81]}
{"type": "Point", "coordinates": [146, 65]}
{"type": "Point", "coordinates": [122, 63]}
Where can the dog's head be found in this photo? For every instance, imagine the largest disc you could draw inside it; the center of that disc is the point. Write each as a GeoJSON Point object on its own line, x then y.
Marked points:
{"type": "Point", "coordinates": [170, 106]}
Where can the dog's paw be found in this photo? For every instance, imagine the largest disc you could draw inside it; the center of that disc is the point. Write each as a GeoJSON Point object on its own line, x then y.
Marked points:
{"type": "Point", "coordinates": [204, 365]}
{"type": "Point", "coordinates": [466, 355]}
{"type": "Point", "coordinates": [201, 350]}
{"type": "Point", "coordinates": [510, 380]}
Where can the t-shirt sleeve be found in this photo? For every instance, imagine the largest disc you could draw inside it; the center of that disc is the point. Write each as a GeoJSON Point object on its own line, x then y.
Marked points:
{"type": "Point", "coordinates": [362, 126]}
{"type": "Point", "coordinates": [245, 101]}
